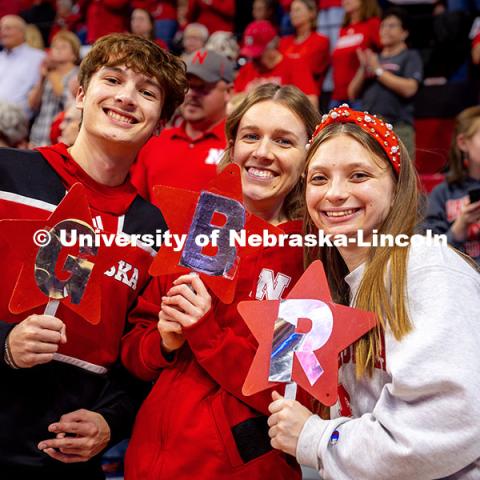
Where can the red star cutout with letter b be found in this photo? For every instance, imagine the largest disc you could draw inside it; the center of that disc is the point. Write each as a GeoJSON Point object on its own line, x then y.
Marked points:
{"type": "Point", "coordinates": [218, 207]}
{"type": "Point", "coordinates": [49, 270]}
{"type": "Point", "coordinates": [301, 337]}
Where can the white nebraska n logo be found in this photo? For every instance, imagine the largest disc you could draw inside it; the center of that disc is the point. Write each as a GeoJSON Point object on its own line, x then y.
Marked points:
{"type": "Point", "coordinates": [270, 287]}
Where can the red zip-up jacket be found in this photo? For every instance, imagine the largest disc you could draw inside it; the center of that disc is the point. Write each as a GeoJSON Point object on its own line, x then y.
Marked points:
{"type": "Point", "coordinates": [196, 422]}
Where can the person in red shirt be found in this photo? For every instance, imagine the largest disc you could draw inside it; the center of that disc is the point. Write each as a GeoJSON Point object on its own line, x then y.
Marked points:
{"type": "Point", "coordinates": [196, 421]}
{"type": "Point", "coordinates": [360, 30]}
{"type": "Point", "coordinates": [187, 156]}
{"type": "Point", "coordinates": [214, 14]}
{"type": "Point", "coordinates": [268, 65]}
{"type": "Point", "coordinates": [476, 49]}
{"type": "Point", "coordinates": [307, 44]}
{"type": "Point", "coordinates": [104, 17]}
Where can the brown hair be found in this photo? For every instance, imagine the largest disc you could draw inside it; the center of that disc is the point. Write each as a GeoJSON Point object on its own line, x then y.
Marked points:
{"type": "Point", "coordinates": [387, 301]}
{"type": "Point", "coordinates": [296, 101]}
{"type": "Point", "coordinates": [368, 9]}
{"type": "Point", "coordinates": [70, 38]}
{"type": "Point", "coordinates": [143, 56]}
{"type": "Point", "coordinates": [466, 124]}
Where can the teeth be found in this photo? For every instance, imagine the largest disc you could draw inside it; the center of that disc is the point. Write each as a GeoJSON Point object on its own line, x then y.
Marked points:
{"type": "Point", "coordinates": [343, 213]}
{"type": "Point", "coordinates": [260, 173]}
{"type": "Point", "coordinates": [118, 117]}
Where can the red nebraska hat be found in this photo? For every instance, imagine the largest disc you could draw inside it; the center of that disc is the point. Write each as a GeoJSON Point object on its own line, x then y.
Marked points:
{"type": "Point", "coordinates": [257, 36]}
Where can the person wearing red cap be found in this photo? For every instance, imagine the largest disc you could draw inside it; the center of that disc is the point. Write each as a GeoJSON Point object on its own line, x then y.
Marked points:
{"type": "Point", "coordinates": [267, 65]}
{"type": "Point", "coordinates": [187, 156]}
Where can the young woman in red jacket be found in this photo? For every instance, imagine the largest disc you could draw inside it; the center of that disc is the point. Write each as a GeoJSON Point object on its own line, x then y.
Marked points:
{"type": "Point", "coordinates": [196, 422]}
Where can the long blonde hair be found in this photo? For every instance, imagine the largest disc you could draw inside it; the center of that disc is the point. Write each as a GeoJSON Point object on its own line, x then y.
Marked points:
{"type": "Point", "coordinates": [388, 301]}
{"type": "Point", "coordinates": [293, 99]}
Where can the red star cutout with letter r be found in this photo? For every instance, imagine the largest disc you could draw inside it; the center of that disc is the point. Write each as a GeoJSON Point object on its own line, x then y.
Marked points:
{"type": "Point", "coordinates": [346, 325]}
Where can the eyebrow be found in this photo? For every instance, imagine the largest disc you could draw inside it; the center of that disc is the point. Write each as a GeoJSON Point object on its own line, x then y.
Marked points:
{"type": "Point", "coordinates": [145, 79]}
{"type": "Point", "coordinates": [280, 131]}
{"type": "Point", "coordinates": [350, 166]}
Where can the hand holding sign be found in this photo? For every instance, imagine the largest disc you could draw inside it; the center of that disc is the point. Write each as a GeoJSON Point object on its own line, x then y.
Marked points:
{"type": "Point", "coordinates": [300, 337]}
{"type": "Point", "coordinates": [52, 272]}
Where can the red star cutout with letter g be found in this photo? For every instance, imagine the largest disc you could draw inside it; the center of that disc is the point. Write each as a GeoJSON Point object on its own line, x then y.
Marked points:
{"type": "Point", "coordinates": [301, 337]}
{"type": "Point", "coordinates": [49, 270]}
{"type": "Point", "coordinates": [219, 207]}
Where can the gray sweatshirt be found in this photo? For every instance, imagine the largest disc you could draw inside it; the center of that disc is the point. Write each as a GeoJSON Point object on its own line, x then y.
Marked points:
{"type": "Point", "coordinates": [418, 416]}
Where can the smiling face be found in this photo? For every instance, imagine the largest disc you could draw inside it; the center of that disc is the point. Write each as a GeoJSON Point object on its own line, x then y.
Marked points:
{"type": "Point", "coordinates": [120, 105]}
{"type": "Point", "coordinates": [348, 189]}
{"type": "Point", "coordinates": [270, 150]}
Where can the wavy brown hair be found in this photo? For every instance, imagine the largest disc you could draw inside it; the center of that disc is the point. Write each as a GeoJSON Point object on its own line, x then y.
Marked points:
{"type": "Point", "coordinates": [142, 56]}
{"type": "Point", "coordinates": [293, 99]}
{"type": "Point", "coordinates": [388, 301]}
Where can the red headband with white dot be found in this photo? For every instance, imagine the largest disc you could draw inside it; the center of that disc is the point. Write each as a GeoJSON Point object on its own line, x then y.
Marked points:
{"type": "Point", "coordinates": [379, 130]}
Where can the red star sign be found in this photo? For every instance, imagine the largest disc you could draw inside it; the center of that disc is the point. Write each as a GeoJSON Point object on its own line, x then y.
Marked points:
{"type": "Point", "coordinates": [50, 270]}
{"type": "Point", "coordinates": [301, 337]}
{"type": "Point", "coordinates": [195, 217]}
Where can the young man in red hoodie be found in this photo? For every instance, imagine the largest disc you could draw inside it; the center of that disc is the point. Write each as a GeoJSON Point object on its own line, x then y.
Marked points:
{"type": "Point", "coordinates": [59, 413]}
